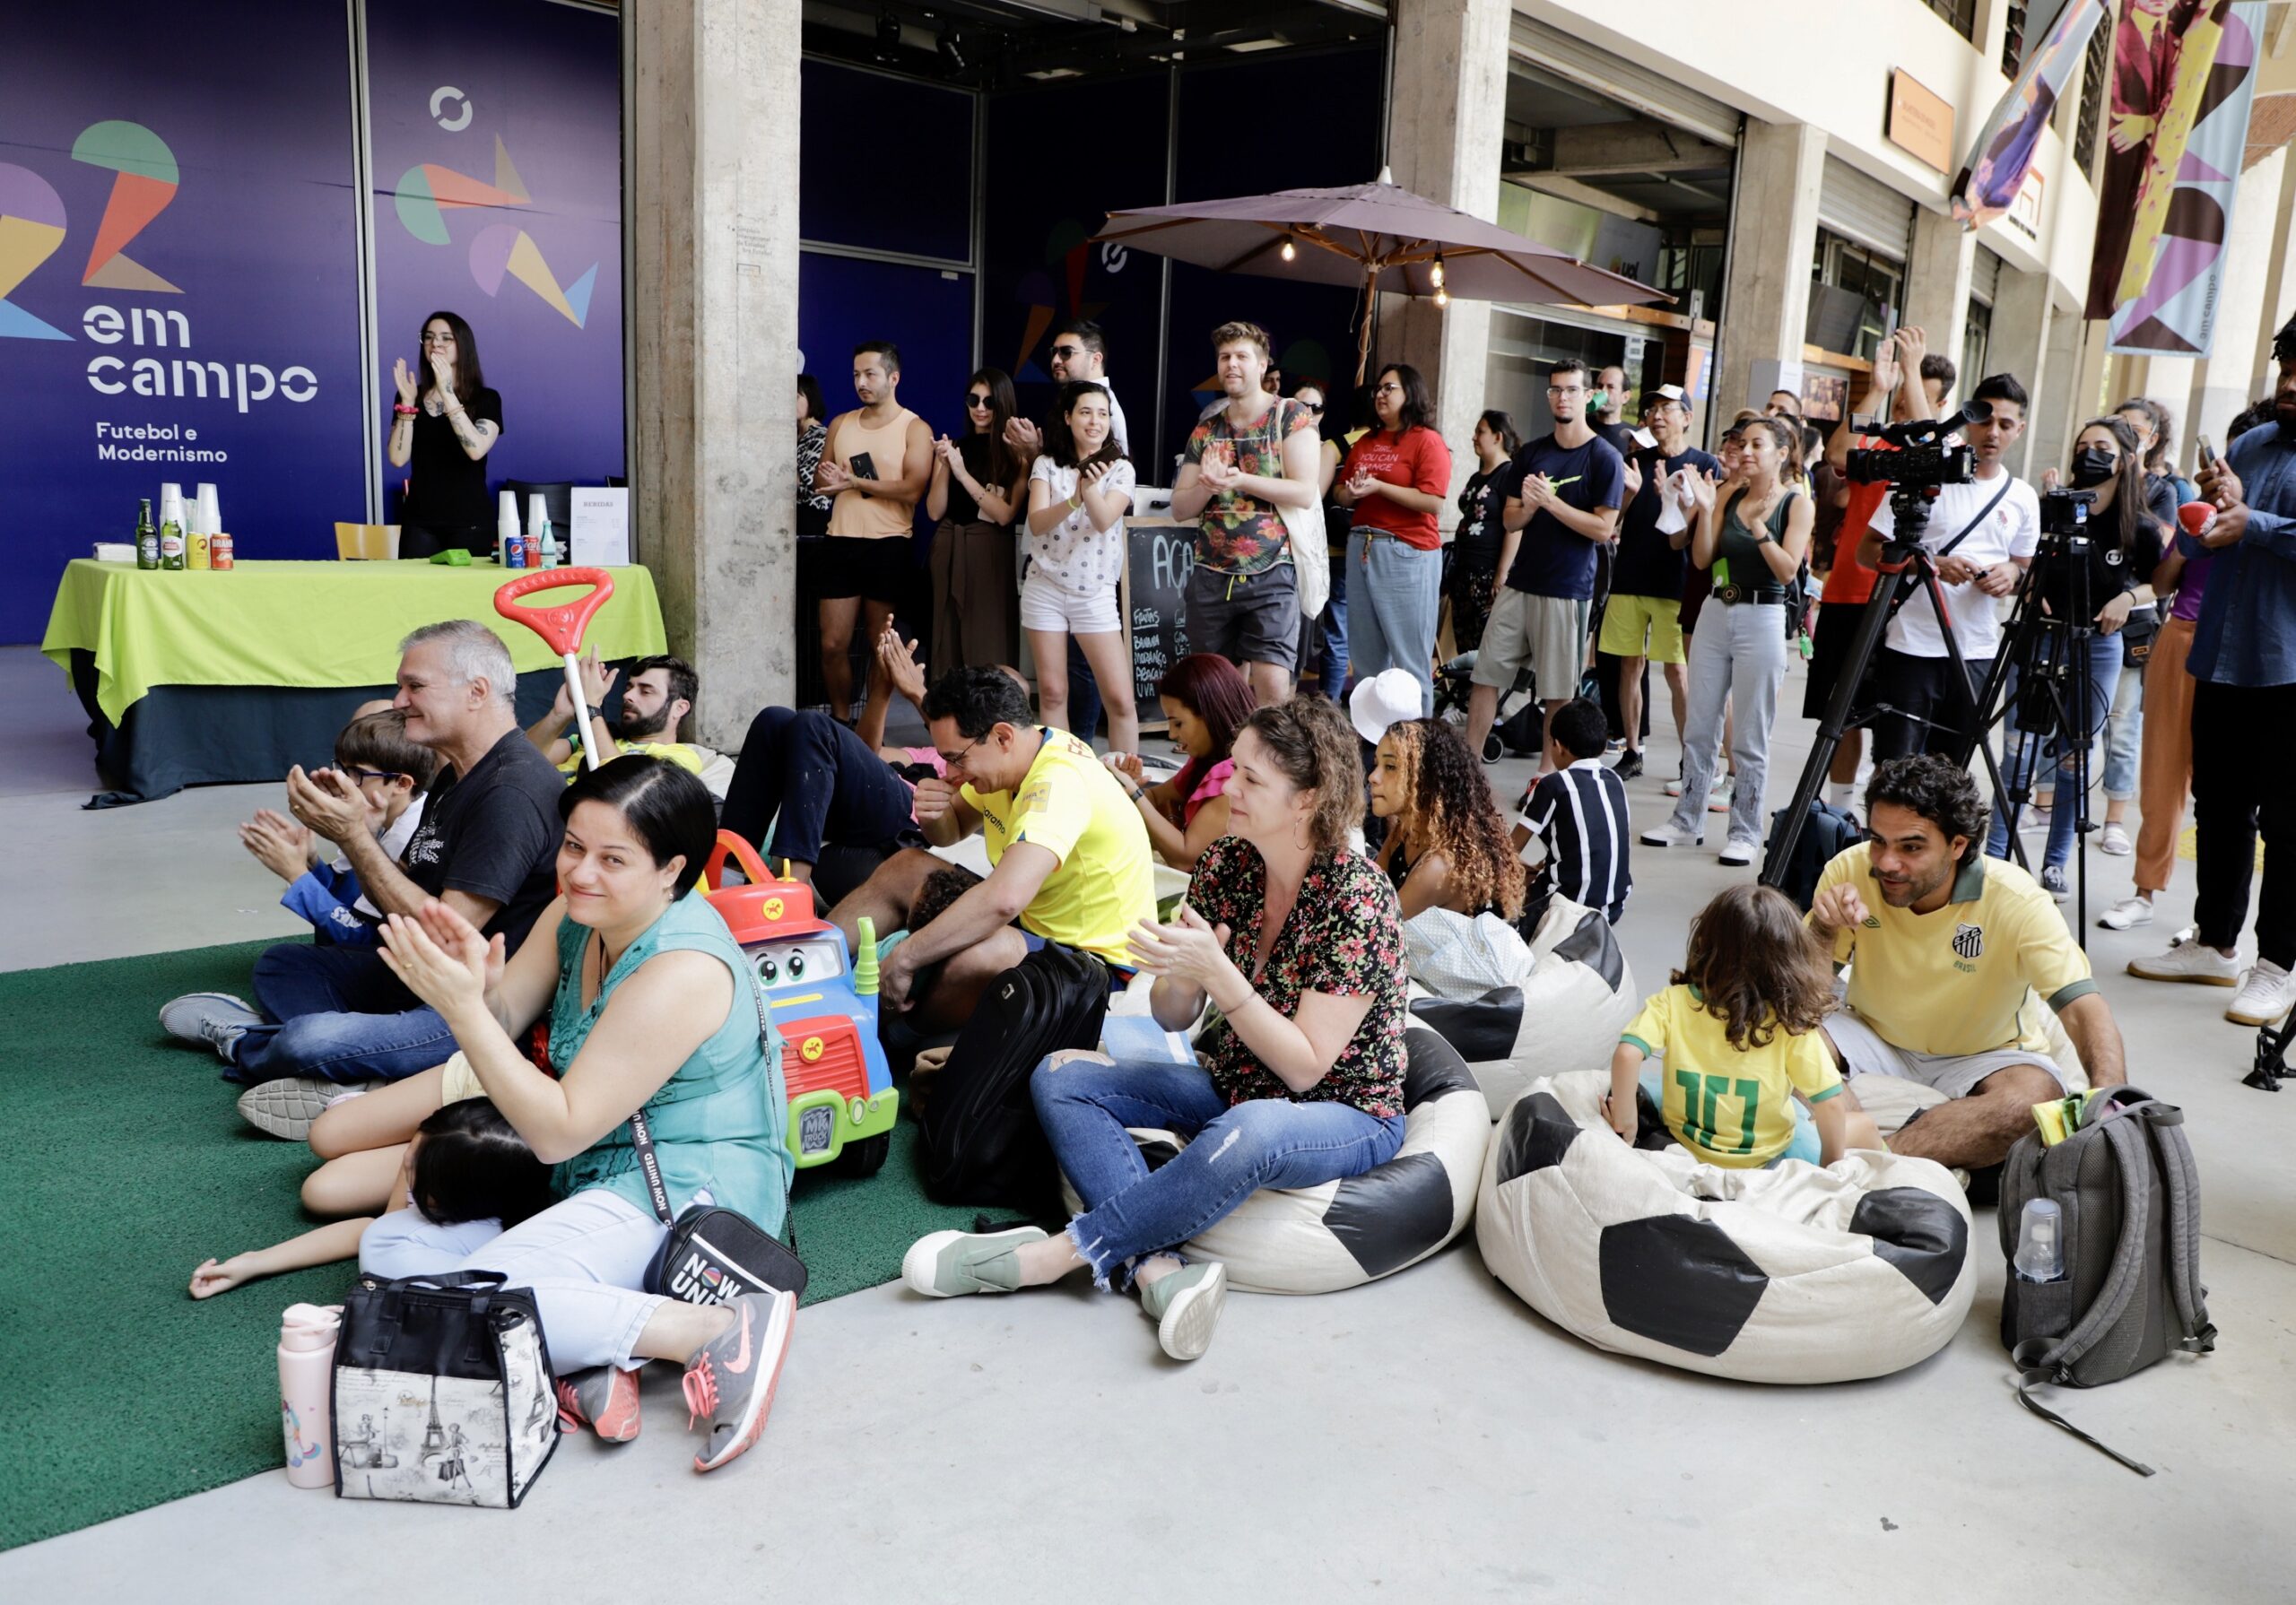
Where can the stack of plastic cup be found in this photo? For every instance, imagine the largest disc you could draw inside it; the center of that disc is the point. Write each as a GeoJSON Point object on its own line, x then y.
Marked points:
{"type": "Point", "coordinates": [506, 524]}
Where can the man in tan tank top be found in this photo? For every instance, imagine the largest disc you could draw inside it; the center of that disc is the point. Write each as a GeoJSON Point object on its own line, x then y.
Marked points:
{"type": "Point", "coordinates": [877, 462]}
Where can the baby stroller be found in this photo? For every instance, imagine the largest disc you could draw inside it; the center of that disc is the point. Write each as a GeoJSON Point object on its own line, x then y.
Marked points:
{"type": "Point", "coordinates": [1520, 728]}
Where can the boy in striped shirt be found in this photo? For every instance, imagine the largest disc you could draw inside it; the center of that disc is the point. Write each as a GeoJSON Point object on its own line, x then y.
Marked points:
{"type": "Point", "coordinates": [1578, 812]}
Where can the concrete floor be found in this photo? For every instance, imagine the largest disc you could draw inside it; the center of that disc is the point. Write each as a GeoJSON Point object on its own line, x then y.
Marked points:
{"type": "Point", "coordinates": [1424, 1438]}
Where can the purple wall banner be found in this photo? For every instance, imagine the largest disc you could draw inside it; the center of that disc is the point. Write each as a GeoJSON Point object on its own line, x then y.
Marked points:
{"type": "Point", "coordinates": [497, 172]}
{"type": "Point", "coordinates": [178, 281]}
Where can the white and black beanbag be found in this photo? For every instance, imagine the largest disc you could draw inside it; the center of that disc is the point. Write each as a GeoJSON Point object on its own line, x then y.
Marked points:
{"type": "Point", "coordinates": [1565, 1014]}
{"type": "Point", "coordinates": [1345, 1233]}
{"type": "Point", "coordinates": [1799, 1274]}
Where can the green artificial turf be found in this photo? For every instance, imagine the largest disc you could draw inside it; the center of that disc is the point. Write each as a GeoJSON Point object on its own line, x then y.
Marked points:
{"type": "Point", "coordinates": [128, 1165]}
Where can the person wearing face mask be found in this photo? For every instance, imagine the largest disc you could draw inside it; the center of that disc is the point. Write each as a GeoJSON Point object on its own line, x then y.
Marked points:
{"type": "Point", "coordinates": [2164, 493]}
{"type": "Point", "coordinates": [2125, 542]}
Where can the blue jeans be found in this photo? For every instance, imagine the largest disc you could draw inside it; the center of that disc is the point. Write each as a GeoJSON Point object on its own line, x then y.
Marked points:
{"type": "Point", "coordinates": [2104, 653]}
{"type": "Point", "coordinates": [2125, 736]}
{"type": "Point", "coordinates": [1396, 616]}
{"type": "Point", "coordinates": [1131, 1213]}
{"type": "Point", "coordinates": [1331, 669]}
{"type": "Point", "coordinates": [342, 1017]}
{"type": "Point", "coordinates": [584, 1257]}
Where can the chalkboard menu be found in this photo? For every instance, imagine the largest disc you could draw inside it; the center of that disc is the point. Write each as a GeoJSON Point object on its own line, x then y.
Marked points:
{"type": "Point", "coordinates": [1158, 554]}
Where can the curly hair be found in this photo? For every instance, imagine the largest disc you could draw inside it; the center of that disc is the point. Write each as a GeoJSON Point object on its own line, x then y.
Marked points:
{"type": "Point", "coordinates": [1313, 747]}
{"type": "Point", "coordinates": [1448, 809]}
{"type": "Point", "coordinates": [1756, 966]}
{"type": "Point", "coordinates": [1927, 784]}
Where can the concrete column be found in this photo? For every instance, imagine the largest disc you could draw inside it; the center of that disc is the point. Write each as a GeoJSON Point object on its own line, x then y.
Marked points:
{"type": "Point", "coordinates": [2021, 324]}
{"type": "Point", "coordinates": [713, 209]}
{"type": "Point", "coordinates": [1937, 287]}
{"type": "Point", "coordinates": [2070, 373]}
{"type": "Point", "coordinates": [1765, 312]}
{"type": "Point", "coordinates": [1446, 123]}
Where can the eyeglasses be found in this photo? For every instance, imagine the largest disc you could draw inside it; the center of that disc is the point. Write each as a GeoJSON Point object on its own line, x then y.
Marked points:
{"type": "Point", "coordinates": [431, 339]}
{"type": "Point", "coordinates": [977, 400]}
{"type": "Point", "coordinates": [957, 760]}
{"type": "Point", "coordinates": [1315, 407]}
{"type": "Point", "coordinates": [365, 775]}
{"type": "Point", "coordinates": [1064, 351]}
{"type": "Point", "coordinates": [1387, 390]}
{"type": "Point", "coordinates": [1566, 390]}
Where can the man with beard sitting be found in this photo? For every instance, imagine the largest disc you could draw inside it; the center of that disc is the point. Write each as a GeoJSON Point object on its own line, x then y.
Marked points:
{"type": "Point", "coordinates": [655, 700]}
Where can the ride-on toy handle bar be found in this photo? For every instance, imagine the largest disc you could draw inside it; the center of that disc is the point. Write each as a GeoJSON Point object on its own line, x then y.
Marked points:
{"type": "Point", "coordinates": [561, 627]}
{"type": "Point", "coordinates": [742, 854]}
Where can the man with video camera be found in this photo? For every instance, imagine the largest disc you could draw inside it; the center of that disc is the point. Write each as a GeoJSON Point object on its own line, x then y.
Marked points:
{"type": "Point", "coordinates": [1982, 534]}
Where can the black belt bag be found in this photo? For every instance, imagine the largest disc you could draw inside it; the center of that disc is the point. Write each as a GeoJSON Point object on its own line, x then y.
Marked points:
{"type": "Point", "coordinates": [1731, 595]}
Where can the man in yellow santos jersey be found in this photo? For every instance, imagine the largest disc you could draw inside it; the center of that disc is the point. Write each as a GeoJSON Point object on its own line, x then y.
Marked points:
{"type": "Point", "coordinates": [1944, 945]}
{"type": "Point", "coordinates": [1070, 859]}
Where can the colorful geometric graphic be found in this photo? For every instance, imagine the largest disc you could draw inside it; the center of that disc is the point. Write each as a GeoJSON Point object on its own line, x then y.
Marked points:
{"type": "Point", "coordinates": [427, 192]}
{"type": "Point", "coordinates": [32, 226]}
{"type": "Point", "coordinates": [145, 185]}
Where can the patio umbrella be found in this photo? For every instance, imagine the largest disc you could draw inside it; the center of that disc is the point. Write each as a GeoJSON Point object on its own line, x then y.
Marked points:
{"type": "Point", "coordinates": [1379, 236]}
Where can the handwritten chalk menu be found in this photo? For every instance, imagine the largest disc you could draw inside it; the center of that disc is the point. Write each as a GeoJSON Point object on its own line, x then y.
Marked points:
{"type": "Point", "coordinates": [1158, 554]}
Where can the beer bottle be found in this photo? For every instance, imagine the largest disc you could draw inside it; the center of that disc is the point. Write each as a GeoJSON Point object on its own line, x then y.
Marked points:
{"type": "Point", "coordinates": [171, 544]}
{"type": "Point", "coordinates": [147, 536]}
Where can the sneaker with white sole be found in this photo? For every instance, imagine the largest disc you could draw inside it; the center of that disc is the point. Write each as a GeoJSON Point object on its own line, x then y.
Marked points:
{"type": "Point", "coordinates": [214, 1018]}
{"type": "Point", "coordinates": [2264, 996]}
{"type": "Point", "coordinates": [286, 1108]}
{"type": "Point", "coordinates": [729, 1382]}
{"type": "Point", "coordinates": [2114, 840]}
{"type": "Point", "coordinates": [1671, 835]}
{"type": "Point", "coordinates": [2195, 962]}
{"type": "Point", "coordinates": [950, 1264]}
{"type": "Point", "coordinates": [604, 1399]}
{"type": "Point", "coordinates": [1717, 795]}
{"type": "Point", "coordinates": [2128, 915]}
{"type": "Point", "coordinates": [1674, 788]}
{"type": "Point", "coordinates": [1186, 1307]}
{"type": "Point", "coordinates": [1741, 851]}
{"type": "Point", "coordinates": [2053, 881]}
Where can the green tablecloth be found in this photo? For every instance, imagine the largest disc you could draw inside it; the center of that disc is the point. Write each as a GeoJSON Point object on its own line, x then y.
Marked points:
{"type": "Point", "coordinates": [300, 624]}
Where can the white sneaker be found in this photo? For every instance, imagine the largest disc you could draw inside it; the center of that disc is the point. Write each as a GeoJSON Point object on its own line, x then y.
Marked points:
{"type": "Point", "coordinates": [2114, 840]}
{"type": "Point", "coordinates": [2127, 914]}
{"type": "Point", "coordinates": [1674, 788]}
{"type": "Point", "coordinates": [1671, 835]}
{"type": "Point", "coordinates": [2034, 820]}
{"type": "Point", "coordinates": [1742, 850]}
{"type": "Point", "coordinates": [1718, 796]}
{"type": "Point", "coordinates": [2264, 997]}
{"type": "Point", "coordinates": [2192, 961]}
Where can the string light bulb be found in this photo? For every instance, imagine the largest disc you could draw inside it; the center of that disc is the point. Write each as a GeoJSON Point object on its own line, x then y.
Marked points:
{"type": "Point", "coordinates": [1435, 275]}
{"type": "Point", "coordinates": [1442, 296]}
{"type": "Point", "coordinates": [1290, 252]}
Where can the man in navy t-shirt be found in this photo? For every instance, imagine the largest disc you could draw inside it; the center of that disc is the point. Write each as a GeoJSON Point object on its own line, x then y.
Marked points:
{"type": "Point", "coordinates": [1564, 492]}
{"type": "Point", "coordinates": [1642, 621]}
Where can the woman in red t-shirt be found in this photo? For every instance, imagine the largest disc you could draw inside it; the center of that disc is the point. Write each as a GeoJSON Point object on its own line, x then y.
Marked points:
{"type": "Point", "coordinates": [1396, 478]}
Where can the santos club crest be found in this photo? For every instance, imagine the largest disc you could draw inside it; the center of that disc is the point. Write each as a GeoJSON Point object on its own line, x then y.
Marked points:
{"type": "Point", "coordinates": [1969, 940]}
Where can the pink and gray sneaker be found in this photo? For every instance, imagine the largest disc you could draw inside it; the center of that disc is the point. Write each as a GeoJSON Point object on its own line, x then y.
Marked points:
{"type": "Point", "coordinates": [729, 1382]}
{"type": "Point", "coordinates": [604, 1399]}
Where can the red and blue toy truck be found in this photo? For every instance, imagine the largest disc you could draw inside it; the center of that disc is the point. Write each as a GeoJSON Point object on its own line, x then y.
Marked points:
{"type": "Point", "coordinates": [842, 1102]}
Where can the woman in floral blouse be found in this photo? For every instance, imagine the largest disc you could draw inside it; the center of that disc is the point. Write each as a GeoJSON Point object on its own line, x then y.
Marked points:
{"type": "Point", "coordinates": [1294, 941]}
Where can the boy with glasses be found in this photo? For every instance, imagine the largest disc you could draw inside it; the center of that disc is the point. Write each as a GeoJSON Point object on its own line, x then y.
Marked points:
{"type": "Point", "coordinates": [1563, 495]}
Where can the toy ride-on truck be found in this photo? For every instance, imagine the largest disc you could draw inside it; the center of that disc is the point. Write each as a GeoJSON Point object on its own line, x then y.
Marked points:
{"type": "Point", "coordinates": [842, 1102]}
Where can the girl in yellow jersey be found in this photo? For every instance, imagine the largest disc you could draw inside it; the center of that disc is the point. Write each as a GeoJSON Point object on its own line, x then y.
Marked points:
{"type": "Point", "coordinates": [1741, 1075]}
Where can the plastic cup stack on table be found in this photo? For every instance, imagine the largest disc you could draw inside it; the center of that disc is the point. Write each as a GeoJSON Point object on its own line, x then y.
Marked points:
{"type": "Point", "coordinates": [506, 527]}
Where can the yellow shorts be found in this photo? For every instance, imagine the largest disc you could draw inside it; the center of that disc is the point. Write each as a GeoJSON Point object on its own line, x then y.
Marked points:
{"type": "Point", "coordinates": [1631, 621]}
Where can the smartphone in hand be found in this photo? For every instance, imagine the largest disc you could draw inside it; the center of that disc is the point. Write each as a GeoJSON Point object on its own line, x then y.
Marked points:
{"type": "Point", "coordinates": [2207, 451]}
{"type": "Point", "coordinates": [861, 466]}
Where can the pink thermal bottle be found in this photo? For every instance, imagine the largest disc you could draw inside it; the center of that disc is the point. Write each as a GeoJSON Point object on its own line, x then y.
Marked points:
{"type": "Point", "coordinates": [307, 1334]}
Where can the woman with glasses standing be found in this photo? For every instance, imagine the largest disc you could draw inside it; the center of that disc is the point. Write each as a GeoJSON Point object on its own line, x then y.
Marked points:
{"type": "Point", "coordinates": [1395, 479]}
{"type": "Point", "coordinates": [974, 497]}
{"type": "Point", "coordinates": [443, 440]}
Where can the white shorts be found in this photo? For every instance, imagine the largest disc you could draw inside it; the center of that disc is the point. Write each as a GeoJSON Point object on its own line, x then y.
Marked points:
{"type": "Point", "coordinates": [1045, 606]}
{"type": "Point", "coordinates": [1956, 1075]}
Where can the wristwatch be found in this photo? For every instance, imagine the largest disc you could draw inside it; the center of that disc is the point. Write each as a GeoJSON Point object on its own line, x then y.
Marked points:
{"type": "Point", "coordinates": [597, 712]}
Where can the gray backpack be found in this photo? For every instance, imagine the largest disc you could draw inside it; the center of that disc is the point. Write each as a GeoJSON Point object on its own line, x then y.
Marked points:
{"type": "Point", "coordinates": [2131, 1292]}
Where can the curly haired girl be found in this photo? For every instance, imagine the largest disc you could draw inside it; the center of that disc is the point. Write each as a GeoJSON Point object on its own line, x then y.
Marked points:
{"type": "Point", "coordinates": [1447, 846]}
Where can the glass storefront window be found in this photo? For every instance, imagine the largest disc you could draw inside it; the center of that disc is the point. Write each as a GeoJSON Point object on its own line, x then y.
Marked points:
{"type": "Point", "coordinates": [1961, 14]}
{"type": "Point", "coordinates": [1852, 292]}
{"type": "Point", "coordinates": [1977, 339]}
{"type": "Point", "coordinates": [1525, 348]}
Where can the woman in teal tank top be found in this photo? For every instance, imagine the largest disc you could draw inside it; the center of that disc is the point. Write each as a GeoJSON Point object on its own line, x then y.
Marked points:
{"type": "Point", "coordinates": [1751, 532]}
{"type": "Point", "coordinates": [651, 1004]}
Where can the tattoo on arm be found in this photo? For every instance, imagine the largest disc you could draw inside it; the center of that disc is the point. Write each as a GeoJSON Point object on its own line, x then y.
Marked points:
{"type": "Point", "coordinates": [465, 431]}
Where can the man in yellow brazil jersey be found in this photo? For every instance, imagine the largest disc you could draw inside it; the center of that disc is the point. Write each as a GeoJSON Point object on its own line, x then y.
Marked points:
{"type": "Point", "coordinates": [1070, 859]}
{"type": "Point", "coordinates": [1945, 946]}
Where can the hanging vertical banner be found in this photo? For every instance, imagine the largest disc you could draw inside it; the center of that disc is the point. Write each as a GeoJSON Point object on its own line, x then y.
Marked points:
{"type": "Point", "coordinates": [2002, 155]}
{"type": "Point", "coordinates": [2176, 311]}
{"type": "Point", "coordinates": [178, 281]}
{"type": "Point", "coordinates": [2161, 53]}
{"type": "Point", "coordinates": [497, 172]}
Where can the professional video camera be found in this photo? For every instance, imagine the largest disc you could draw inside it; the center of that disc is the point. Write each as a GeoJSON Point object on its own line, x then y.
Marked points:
{"type": "Point", "coordinates": [1922, 460]}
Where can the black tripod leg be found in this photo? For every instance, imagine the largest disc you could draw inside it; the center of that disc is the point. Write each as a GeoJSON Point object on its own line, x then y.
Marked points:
{"type": "Point", "coordinates": [1975, 721]}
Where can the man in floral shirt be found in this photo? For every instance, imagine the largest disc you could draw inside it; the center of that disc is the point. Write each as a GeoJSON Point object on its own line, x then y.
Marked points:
{"type": "Point", "coordinates": [1243, 462]}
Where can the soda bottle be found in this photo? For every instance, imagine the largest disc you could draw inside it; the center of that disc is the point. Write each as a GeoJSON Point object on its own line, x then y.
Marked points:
{"type": "Point", "coordinates": [147, 536]}
{"type": "Point", "coordinates": [171, 544]}
{"type": "Point", "coordinates": [548, 544]}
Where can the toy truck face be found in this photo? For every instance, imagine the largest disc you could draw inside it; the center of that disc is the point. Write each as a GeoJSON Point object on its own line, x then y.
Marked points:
{"type": "Point", "coordinates": [798, 962]}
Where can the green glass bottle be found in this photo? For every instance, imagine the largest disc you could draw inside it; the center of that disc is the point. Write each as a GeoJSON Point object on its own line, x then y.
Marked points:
{"type": "Point", "coordinates": [147, 536]}
{"type": "Point", "coordinates": [171, 544]}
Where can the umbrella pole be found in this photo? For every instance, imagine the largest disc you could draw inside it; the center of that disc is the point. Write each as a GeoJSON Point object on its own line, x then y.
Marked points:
{"type": "Point", "coordinates": [1363, 332]}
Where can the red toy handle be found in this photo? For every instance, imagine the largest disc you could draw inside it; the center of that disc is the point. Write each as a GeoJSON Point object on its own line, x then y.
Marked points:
{"type": "Point", "coordinates": [561, 626]}
{"type": "Point", "coordinates": [742, 854]}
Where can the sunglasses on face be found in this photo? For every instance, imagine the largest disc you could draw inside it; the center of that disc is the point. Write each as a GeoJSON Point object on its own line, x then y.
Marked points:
{"type": "Point", "coordinates": [1065, 351]}
{"type": "Point", "coordinates": [977, 400]}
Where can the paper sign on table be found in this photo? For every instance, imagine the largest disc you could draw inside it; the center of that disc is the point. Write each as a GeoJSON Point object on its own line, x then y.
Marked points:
{"type": "Point", "coordinates": [601, 535]}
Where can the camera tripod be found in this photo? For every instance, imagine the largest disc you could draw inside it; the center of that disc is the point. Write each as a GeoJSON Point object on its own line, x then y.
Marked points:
{"type": "Point", "coordinates": [1909, 570]}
